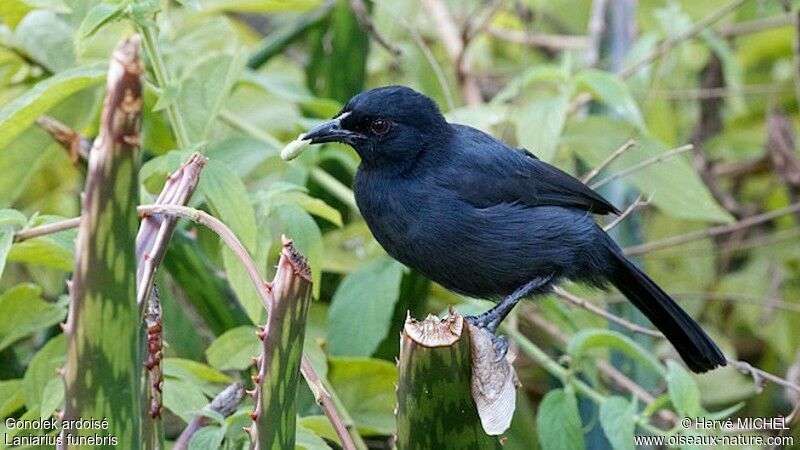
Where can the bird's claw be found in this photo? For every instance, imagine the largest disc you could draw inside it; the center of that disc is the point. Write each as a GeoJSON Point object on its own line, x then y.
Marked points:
{"type": "Point", "coordinates": [476, 321]}
{"type": "Point", "coordinates": [500, 343]}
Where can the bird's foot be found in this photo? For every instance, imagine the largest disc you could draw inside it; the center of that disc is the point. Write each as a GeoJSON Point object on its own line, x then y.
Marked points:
{"type": "Point", "coordinates": [500, 343]}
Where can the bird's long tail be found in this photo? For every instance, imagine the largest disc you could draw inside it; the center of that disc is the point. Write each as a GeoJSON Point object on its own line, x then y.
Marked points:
{"type": "Point", "coordinates": [695, 347]}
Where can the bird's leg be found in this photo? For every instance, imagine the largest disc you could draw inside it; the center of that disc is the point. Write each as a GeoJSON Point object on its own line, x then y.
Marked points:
{"type": "Point", "coordinates": [491, 319]}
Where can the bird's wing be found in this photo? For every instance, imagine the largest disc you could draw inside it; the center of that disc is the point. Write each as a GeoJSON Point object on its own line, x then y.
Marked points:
{"type": "Point", "coordinates": [489, 173]}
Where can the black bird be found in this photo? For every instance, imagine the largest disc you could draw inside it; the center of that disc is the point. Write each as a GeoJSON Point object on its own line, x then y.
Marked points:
{"type": "Point", "coordinates": [487, 220]}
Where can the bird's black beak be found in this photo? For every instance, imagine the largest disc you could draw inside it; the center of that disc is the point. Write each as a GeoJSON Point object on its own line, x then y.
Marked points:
{"type": "Point", "coordinates": [332, 131]}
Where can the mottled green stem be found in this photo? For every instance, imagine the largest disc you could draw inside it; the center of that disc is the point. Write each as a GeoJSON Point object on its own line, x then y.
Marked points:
{"type": "Point", "coordinates": [435, 407]}
{"type": "Point", "coordinates": [275, 415]}
{"type": "Point", "coordinates": [266, 292]}
{"type": "Point", "coordinates": [163, 79]}
{"type": "Point", "coordinates": [103, 364]}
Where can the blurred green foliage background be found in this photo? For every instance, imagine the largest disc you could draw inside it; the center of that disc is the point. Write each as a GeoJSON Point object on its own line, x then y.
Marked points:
{"type": "Point", "coordinates": [247, 76]}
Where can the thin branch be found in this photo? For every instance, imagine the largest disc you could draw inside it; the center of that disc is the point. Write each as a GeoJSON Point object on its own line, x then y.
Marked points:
{"type": "Point", "coordinates": [668, 44]}
{"type": "Point", "coordinates": [708, 124]}
{"type": "Point", "coordinates": [754, 26]}
{"type": "Point", "coordinates": [154, 325]}
{"type": "Point", "coordinates": [611, 158]}
{"type": "Point", "coordinates": [718, 92]}
{"type": "Point", "coordinates": [77, 146]}
{"type": "Point", "coordinates": [551, 366]}
{"type": "Point", "coordinates": [745, 299]}
{"type": "Point", "coordinates": [547, 41]}
{"type": "Point", "coordinates": [603, 366]}
{"type": "Point", "coordinates": [594, 309]}
{"type": "Point", "coordinates": [796, 53]}
{"type": "Point", "coordinates": [364, 19]}
{"type": "Point", "coordinates": [233, 243]}
{"type": "Point", "coordinates": [451, 39]}
{"type": "Point", "coordinates": [666, 156]}
{"type": "Point", "coordinates": [473, 29]}
{"type": "Point", "coordinates": [163, 80]}
{"type": "Point", "coordinates": [711, 232]}
{"type": "Point", "coordinates": [750, 243]}
{"type": "Point", "coordinates": [437, 68]}
{"type": "Point", "coordinates": [225, 403]}
{"type": "Point", "coordinates": [328, 406]}
{"type": "Point", "coordinates": [42, 230]}
{"type": "Point", "coordinates": [755, 372]}
{"type": "Point", "coordinates": [595, 28]}
{"type": "Point", "coordinates": [155, 232]}
{"type": "Point", "coordinates": [663, 48]}
{"type": "Point", "coordinates": [225, 233]}
{"type": "Point", "coordinates": [638, 203]}
{"type": "Point", "coordinates": [759, 376]}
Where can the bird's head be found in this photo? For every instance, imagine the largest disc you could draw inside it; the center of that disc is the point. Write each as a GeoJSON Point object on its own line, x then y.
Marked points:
{"type": "Point", "coordinates": [384, 125]}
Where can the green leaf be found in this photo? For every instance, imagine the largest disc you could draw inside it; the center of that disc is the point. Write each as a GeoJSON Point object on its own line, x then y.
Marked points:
{"type": "Point", "coordinates": [242, 154]}
{"type": "Point", "coordinates": [482, 117]}
{"type": "Point", "coordinates": [155, 171]}
{"type": "Point", "coordinates": [207, 438]}
{"type": "Point", "coordinates": [52, 397]}
{"type": "Point", "coordinates": [300, 227]}
{"type": "Point", "coordinates": [611, 90]}
{"type": "Point", "coordinates": [194, 371]}
{"type": "Point", "coordinates": [53, 250]}
{"type": "Point", "coordinates": [227, 197]}
{"type": "Point", "coordinates": [539, 123]}
{"type": "Point", "coordinates": [320, 426]}
{"type": "Point", "coordinates": [676, 188]}
{"type": "Point", "coordinates": [558, 423]}
{"type": "Point", "coordinates": [548, 73]}
{"type": "Point", "coordinates": [586, 340]}
{"type": "Point", "coordinates": [191, 4]}
{"type": "Point", "coordinates": [10, 221]}
{"type": "Point", "coordinates": [42, 369]}
{"type": "Point", "coordinates": [366, 388]}
{"type": "Point", "coordinates": [53, 5]}
{"type": "Point", "coordinates": [338, 42]}
{"type": "Point", "coordinates": [12, 12]}
{"type": "Point", "coordinates": [314, 206]}
{"type": "Point", "coordinates": [212, 415]}
{"type": "Point", "coordinates": [47, 39]}
{"type": "Point", "coordinates": [97, 17]}
{"type": "Point", "coordinates": [616, 418]}
{"type": "Point", "coordinates": [183, 398]}
{"type": "Point", "coordinates": [362, 308]}
{"type": "Point", "coordinates": [19, 114]}
{"type": "Point", "coordinates": [11, 398]}
{"type": "Point", "coordinates": [350, 247]}
{"type": "Point", "coordinates": [233, 349]}
{"type": "Point", "coordinates": [259, 6]}
{"type": "Point", "coordinates": [683, 390]}
{"type": "Point", "coordinates": [168, 96]}
{"type": "Point", "coordinates": [24, 311]}
{"type": "Point", "coordinates": [306, 439]}
{"type": "Point", "coordinates": [205, 86]}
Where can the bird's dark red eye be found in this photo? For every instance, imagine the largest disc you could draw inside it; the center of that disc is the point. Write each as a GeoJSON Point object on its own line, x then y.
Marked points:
{"type": "Point", "coordinates": [380, 126]}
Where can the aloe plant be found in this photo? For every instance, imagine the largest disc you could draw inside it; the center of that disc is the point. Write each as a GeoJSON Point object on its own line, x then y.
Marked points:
{"type": "Point", "coordinates": [103, 365]}
{"type": "Point", "coordinates": [435, 406]}
{"type": "Point", "coordinates": [278, 365]}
